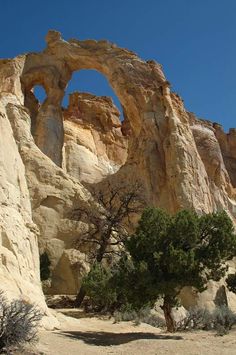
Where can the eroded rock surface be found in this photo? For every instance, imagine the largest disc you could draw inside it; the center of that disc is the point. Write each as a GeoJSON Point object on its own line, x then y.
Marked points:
{"type": "Point", "coordinates": [47, 152]}
{"type": "Point", "coordinates": [94, 145]}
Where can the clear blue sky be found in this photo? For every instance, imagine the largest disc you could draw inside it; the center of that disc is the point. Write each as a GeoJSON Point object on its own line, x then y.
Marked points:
{"type": "Point", "coordinates": [194, 40]}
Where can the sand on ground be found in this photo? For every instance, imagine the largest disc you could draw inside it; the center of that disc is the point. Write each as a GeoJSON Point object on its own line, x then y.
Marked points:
{"type": "Point", "coordinates": [93, 336]}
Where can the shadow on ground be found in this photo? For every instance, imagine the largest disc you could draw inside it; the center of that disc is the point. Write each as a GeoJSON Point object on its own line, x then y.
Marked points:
{"type": "Point", "coordinates": [108, 339]}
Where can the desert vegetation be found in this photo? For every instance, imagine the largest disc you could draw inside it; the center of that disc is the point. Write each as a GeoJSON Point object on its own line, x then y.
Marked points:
{"type": "Point", "coordinates": [164, 254]}
{"type": "Point", "coordinates": [108, 225]}
{"type": "Point", "coordinates": [19, 322]}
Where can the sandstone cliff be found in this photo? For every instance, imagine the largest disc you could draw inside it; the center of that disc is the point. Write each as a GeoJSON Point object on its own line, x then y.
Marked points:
{"type": "Point", "coordinates": [48, 152]}
{"type": "Point", "coordinates": [94, 145]}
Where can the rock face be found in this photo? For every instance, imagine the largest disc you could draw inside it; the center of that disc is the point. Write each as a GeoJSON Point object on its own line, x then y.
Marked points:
{"type": "Point", "coordinates": [94, 145]}
{"type": "Point", "coordinates": [48, 152]}
{"type": "Point", "coordinates": [19, 263]}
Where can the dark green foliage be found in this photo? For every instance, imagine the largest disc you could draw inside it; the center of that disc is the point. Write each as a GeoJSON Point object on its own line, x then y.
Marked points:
{"type": "Point", "coordinates": [165, 254]}
{"type": "Point", "coordinates": [231, 282]}
{"type": "Point", "coordinates": [44, 267]}
{"type": "Point", "coordinates": [98, 286]}
{"type": "Point", "coordinates": [18, 323]}
{"type": "Point", "coordinates": [113, 287]}
{"type": "Point", "coordinates": [170, 252]}
{"type": "Point", "coordinates": [134, 284]}
{"type": "Point", "coordinates": [182, 250]}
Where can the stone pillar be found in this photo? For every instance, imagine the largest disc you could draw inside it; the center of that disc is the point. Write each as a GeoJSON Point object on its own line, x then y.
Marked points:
{"type": "Point", "coordinates": [49, 133]}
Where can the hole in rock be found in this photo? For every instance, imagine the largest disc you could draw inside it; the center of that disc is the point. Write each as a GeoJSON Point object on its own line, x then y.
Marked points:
{"type": "Point", "coordinates": [93, 82]}
{"type": "Point", "coordinates": [99, 147]}
{"type": "Point", "coordinates": [39, 93]}
{"type": "Point", "coordinates": [34, 98]}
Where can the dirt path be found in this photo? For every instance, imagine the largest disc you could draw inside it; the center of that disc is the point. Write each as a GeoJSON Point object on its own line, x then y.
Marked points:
{"type": "Point", "coordinates": [95, 336]}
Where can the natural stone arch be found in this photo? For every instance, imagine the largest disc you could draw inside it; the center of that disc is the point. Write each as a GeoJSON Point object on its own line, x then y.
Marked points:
{"type": "Point", "coordinates": [155, 118]}
{"type": "Point", "coordinates": [165, 146]}
{"type": "Point", "coordinates": [53, 68]}
{"type": "Point", "coordinates": [92, 82]}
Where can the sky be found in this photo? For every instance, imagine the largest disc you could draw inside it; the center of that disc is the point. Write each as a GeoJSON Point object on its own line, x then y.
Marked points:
{"type": "Point", "coordinates": [194, 40]}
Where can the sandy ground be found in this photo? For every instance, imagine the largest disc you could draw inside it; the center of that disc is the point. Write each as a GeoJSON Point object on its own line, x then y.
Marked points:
{"type": "Point", "coordinates": [88, 336]}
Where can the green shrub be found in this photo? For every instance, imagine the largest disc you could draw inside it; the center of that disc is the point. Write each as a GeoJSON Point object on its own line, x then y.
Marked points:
{"type": "Point", "coordinates": [113, 287]}
{"type": "Point", "coordinates": [97, 287]}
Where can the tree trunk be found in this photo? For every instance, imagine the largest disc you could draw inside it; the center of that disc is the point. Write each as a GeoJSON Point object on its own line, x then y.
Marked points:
{"type": "Point", "coordinates": [166, 307]}
{"type": "Point", "coordinates": [80, 297]}
{"type": "Point", "coordinates": [101, 251]}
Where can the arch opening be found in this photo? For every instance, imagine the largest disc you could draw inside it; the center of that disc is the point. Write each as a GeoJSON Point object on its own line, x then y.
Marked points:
{"type": "Point", "coordinates": [39, 93]}
{"type": "Point", "coordinates": [88, 100]}
{"type": "Point", "coordinates": [93, 82]}
{"type": "Point", "coordinates": [34, 98]}
{"type": "Point", "coordinates": [91, 110]}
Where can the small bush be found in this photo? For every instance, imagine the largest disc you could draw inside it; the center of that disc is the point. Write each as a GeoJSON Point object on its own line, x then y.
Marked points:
{"type": "Point", "coordinates": [97, 287]}
{"type": "Point", "coordinates": [221, 319]}
{"type": "Point", "coordinates": [18, 323]}
{"type": "Point", "coordinates": [125, 314]}
{"type": "Point", "coordinates": [142, 316]}
{"type": "Point", "coordinates": [196, 318]}
{"type": "Point", "coordinates": [145, 316]}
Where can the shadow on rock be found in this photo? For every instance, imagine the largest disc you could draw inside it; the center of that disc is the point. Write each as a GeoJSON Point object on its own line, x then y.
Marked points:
{"type": "Point", "coordinates": [107, 338]}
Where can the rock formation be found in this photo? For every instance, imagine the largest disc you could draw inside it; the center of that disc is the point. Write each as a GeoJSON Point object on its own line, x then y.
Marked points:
{"type": "Point", "coordinates": [48, 153]}
{"type": "Point", "coordinates": [94, 145]}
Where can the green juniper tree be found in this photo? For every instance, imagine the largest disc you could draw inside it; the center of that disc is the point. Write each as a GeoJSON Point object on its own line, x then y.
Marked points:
{"type": "Point", "coordinates": [170, 252]}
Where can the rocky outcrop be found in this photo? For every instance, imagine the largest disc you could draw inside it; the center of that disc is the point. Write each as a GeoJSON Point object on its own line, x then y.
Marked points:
{"type": "Point", "coordinates": [227, 142]}
{"type": "Point", "coordinates": [162, 151]}
{"type": "Point", "coordinates": [94, 145]}
{"type": "Point", "coordinates": [19, 256]}
{"type": "Point", "coordinates": [47, 152]}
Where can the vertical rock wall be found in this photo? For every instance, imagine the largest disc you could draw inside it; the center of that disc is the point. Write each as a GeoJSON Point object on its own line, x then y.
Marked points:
{"type": "Point", "coordinates": [19, 256]}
